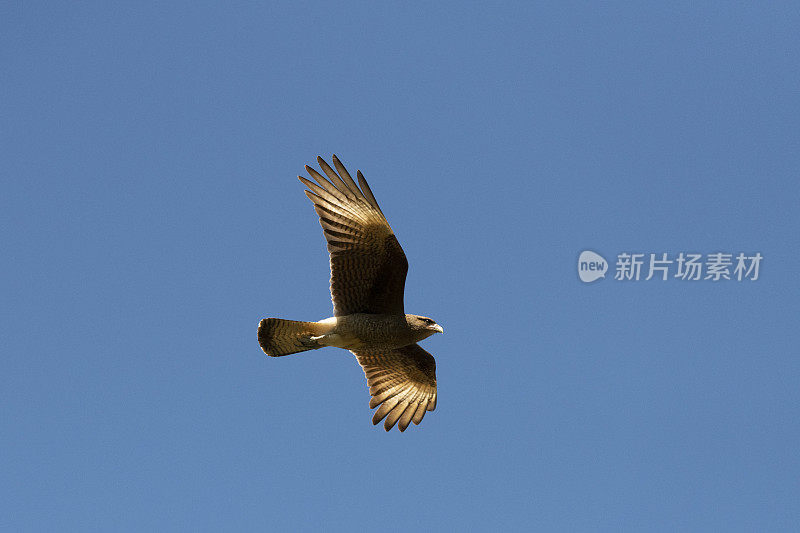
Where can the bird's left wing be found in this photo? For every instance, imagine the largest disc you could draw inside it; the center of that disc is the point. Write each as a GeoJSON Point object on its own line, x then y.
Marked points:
{"type": "Point", "coordinates": [402, 381]}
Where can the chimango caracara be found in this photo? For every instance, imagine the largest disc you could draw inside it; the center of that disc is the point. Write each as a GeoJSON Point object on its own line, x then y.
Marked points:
{"type": "Point", "coordinates": [368, 274]}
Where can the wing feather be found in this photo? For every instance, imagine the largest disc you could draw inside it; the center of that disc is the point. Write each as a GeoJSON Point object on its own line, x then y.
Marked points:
{"type": "Point", "coordinates": [405, 419]}
{"type": "Point", "coordinates": [367, 191]}
{"type": "Point", "coordinates": [319, 191]}
{"type": "Point", "coordinates": [336, 180]}
{"type": "Point", "coordinates": [344, 174]}
{"type": "Point", "coordinates": [419, 414]}
{"type": "Point", "coordinates": [325, 184]}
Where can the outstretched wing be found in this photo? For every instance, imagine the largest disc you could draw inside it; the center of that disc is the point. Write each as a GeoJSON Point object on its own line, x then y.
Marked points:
{"type": "Point", "coordinates": [402, 381]}
{"type": "Point", "coordinates": [368, 266]}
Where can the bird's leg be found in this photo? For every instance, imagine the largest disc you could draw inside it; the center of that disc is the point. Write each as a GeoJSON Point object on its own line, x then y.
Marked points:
{"type": "Point", "coordinates": [312, 342]}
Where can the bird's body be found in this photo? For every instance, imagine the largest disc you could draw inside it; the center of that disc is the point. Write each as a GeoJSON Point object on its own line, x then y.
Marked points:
{"type": "Point", "coordinates": [359, 331]}
{"type": "Point", "coordinates": [368, 271]}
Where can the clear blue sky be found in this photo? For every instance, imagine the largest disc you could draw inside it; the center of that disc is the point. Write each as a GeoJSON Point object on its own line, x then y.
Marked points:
{"type": "Point", "coordinates": [151, 216]}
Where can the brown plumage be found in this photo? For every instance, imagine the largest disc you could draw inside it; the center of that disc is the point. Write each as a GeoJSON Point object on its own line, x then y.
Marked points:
{"type": "Point", "coordinates": [368, 274]}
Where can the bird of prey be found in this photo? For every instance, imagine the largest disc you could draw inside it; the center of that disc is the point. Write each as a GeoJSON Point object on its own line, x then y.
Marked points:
{"type": "Point", "coordinates": [368, 275]}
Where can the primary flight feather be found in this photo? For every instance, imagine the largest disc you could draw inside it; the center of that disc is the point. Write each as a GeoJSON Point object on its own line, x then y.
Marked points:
{"type": "Point", "coordinates": [368, 275]}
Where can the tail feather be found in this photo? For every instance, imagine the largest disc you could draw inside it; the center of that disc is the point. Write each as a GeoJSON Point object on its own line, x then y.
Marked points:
{"type": "Point", "coordinates": [283, 337]}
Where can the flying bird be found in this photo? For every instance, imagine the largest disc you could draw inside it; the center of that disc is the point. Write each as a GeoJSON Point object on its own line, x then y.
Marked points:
{"type": "Point", "coordinates": [368, 275]}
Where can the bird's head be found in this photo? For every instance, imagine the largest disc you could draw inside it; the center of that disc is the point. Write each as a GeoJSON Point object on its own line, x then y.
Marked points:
{"type": "Point", "coordinates": [423, 325]}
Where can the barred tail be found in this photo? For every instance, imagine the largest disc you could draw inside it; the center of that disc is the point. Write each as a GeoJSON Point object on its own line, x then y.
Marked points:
{"type": "Point", "coordinates": [283, 337]}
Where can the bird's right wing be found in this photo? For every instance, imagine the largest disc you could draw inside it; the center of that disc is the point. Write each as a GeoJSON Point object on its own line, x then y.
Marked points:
{"type": "Point", "coordinates": [368, 266]}
{"type": "Point", "coordinates": [402, 381]}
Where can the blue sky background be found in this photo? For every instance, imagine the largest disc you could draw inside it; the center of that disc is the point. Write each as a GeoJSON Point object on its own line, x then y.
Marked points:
{"type": "Point", "coordinates": [151, 217]}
